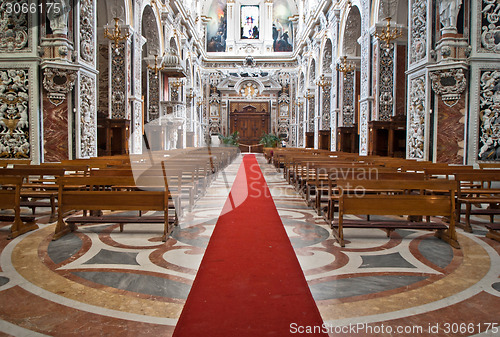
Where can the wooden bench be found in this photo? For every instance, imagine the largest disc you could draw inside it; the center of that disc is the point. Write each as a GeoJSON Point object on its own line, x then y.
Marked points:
{"type": "Point", "coordinates": [11, 162]}
{"type": "Point", "coordinates": [476, 189]}
{"type": "Point", "coordinates": [355, 175]}
{"type": "Point", "coordinates": [38, 185]}
{"type": "Point", "coordinates": [115, 194]}
{"type": "Point", "coordinates": [403, 198]}
{"type": "Point", "coordinates": [493, 231]}
{"type": "Point", "coordinates": [10, 197]}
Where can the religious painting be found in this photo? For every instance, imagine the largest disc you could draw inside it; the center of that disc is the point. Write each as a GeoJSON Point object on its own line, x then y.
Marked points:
{"type": "Point", "coordinates": [217, 27]}
{"type": "Point", "coordinates": [282, 27]}
{"type": "Point", "coordinates": [249, 22]}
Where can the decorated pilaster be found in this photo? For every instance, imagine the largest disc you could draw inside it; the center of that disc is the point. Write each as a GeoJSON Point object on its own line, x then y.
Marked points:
{"type": "Point", "coordinates": [325, 93]}
{"type": "Point", "coordinates": [59, 77]}
{"type": "Point", "coordinates": [136, 99]}
{"type": "Point", "coordinates": [484, 104]}
{"type": "Point", "coordinates": [384, 92]}
{"type": "Point", "coordinates": [268, 27]}
{"type": "Point", "coordinates": [153, 87]}
{"type": "Point", "coordinates": [120, 80]}
{"type": "Point", "coordinates": [301, 121]}
{"type": "Point", "coordinates": [366, 99]}
{"type": "Point", "coordinates": [86, 84]}
{"type": "Point", "coordinates": [334, 108]}
{"type": "Point", "coordinates": [418, 102]}
{"type": "Point", "coordinates": [231, 29]}
{"type": "Point", "coordinates": [347, 100]}
{"type": "Point", "coordinates": [214, 119]}
{"type": "Point", "coordinates": [449, 81]}
{"type": "Point", "coordinates": [284, 116]}
{"type": "Point", "coordinates": [19, 79]}
{"type": "Point", "coordinates": [311, 111]}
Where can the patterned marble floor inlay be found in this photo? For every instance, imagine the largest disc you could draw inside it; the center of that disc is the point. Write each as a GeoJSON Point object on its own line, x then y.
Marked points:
{"type": "Point", "coordinates": [134, 282]}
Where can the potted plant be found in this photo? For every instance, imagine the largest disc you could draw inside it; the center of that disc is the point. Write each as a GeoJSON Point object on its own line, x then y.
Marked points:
{"type": "Point", "coordinates": [231, 140]}
{"type": "Point", "coordinates": [269, 140]}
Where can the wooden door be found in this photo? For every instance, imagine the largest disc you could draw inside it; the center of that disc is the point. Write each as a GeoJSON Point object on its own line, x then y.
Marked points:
{"type": "Point", "coordinates": [250, 124]}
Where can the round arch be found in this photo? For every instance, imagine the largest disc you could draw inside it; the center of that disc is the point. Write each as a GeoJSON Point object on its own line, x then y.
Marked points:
{"type": "Point", "coordinates": [326, 57]}
{"type": "Point", "coordinates": [350, 33]}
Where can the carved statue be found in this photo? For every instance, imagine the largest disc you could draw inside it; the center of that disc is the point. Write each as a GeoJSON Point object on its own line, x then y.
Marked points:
{"type": "Point", "coordinates": [448, 12]}
{"type": "Point", "coordinates": [58, 16]}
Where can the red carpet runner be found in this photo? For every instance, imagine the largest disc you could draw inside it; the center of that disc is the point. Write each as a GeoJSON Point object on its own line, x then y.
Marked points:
{"type": "Point", "coordinates": [250, 282]}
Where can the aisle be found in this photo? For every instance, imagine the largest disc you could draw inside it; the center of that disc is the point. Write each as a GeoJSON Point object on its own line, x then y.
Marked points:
{"type": "Point", "coordinates": [250, 282]}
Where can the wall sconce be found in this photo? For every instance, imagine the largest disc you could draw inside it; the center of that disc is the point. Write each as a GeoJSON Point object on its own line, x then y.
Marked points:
{"type": "Point", "coordinates": [323, 82]}
{"type": "Point", "coordinates": [156, 68]}
{"type": "Point", "coordinates": [387, 35]}
{"type": "Point", "coordinates": [117, 35]}
{"type": "Point", "coordinates": [190, 94]}
{"type": "Point", "coordinates": [177, 84]}
{"type": "Point", "coordinates": [345, 67]}
{"type": "Point", "coordinates": [309, 94]}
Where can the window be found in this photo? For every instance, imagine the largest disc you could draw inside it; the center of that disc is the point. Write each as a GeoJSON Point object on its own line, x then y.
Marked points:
{"type": "Point", "coordinates": [250, 22]}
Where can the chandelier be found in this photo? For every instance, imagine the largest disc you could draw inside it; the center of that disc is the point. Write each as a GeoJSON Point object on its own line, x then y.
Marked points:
{"type": "Point", "coordinates": [117, 35]}
{"type": "Point", "coordinates": [387, 35]}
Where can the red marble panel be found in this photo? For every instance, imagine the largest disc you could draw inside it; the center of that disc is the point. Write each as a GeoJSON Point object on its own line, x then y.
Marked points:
{"type": "Point", "coordinates": [450, 132]}
{"type": "Point", "coordinates": [55, 130]}
{"type": "Point", "coordinates": [400, 81]}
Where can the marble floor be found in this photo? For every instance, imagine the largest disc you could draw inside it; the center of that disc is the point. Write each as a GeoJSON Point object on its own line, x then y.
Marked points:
{"type": "Point", "coordinates": [99, 281]}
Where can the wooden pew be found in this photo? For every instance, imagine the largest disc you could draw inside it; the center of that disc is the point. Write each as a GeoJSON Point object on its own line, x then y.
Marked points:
{"type": "Point", "coordinates": [493, 231]}
{"type": "Point", "coordinates": [112, 193]}
{"type": "Point", "coordinates": [38, 184]}
{"type": "Point", "coordinates": [489, 165]}
{"type": "Point", "coordinates": [11, 162]}
{"type": "Point", "coordinates": [397, 202]}
{"type": "Point", "coordinates": [361, 175]}
{"type": "Point", "coordinates": [475, 189]}
{"type": "Point", "coordinates": [10, 197]}
{"type": "Point", "coordinates": [447, 172]}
